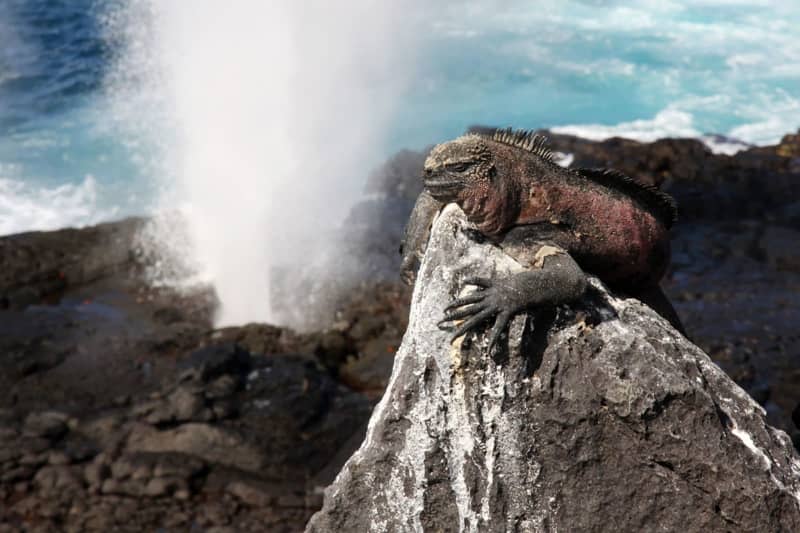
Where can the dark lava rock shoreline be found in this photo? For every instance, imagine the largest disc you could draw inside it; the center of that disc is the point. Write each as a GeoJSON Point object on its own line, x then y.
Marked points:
{"type": "Point", "coordinates": [122, 409]}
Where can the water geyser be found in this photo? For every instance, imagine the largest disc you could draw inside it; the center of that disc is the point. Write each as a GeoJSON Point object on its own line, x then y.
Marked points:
{"type": "Point", "coordinates": [266, 117]}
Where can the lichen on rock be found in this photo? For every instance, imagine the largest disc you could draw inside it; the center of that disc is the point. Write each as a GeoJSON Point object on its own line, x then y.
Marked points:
{"type": "Point", "coordinates": [591, 417]}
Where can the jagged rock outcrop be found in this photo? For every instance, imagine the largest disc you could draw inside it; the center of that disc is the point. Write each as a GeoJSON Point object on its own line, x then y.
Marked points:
{"type": "Point", "coordinates": [596, 417]}
{"type": "Point", "coordinates": [37, 267]}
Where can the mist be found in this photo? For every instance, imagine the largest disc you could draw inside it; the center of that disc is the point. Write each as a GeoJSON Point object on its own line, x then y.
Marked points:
{"type": "Point", "coordinates": [260, 121]}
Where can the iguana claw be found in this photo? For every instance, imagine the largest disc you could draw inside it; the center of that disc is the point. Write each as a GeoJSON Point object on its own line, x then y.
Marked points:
{"type": "Point", "coordinates": [494, 299]}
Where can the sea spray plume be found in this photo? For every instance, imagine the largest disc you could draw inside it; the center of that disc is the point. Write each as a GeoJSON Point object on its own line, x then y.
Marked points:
{"type": "Point", "coordinates": [271, 110]}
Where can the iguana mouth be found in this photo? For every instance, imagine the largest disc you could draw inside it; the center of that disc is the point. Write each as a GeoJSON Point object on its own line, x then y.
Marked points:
{"type": "Point", "coordinates": [444, 190]}
{"type": "Point", "coordinates": [442, 184]}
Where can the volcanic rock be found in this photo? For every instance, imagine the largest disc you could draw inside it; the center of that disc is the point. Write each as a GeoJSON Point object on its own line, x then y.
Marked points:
{"type": "Point", "coordinates": [596, 416]}
{"type": "Point", "coordinates": [37, 266]}
{"type": "Point", "coordinates": [50, 425]}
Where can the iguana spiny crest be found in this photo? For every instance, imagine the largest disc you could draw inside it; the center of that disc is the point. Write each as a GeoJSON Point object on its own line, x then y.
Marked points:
{"type": "Point", "coordinates": [490, 174]}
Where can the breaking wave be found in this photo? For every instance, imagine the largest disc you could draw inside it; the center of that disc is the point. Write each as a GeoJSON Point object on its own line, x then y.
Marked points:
{"type": "Point", "coordinates": [24, 207]}
{"type": "Point", "coordinates": [676, 124]}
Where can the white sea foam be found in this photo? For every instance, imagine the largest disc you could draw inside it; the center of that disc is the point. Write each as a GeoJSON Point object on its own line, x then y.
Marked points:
{"type": "Point", "coordinates": [565, 160]}
{"type": "Point", "coordinates": [767, 131]}
{"type": "Point", "coordinates": [720, 144]}
{"type": "Point", "coordinates": [667, 123]}
{"type": "Point", "coordinates": [28, 208]}
{"type": "Point", "coordinates": [672, 123]}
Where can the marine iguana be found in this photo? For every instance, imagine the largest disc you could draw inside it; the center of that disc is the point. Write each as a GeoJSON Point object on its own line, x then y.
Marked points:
{"type": "Point", "coordinates": [558, 221]}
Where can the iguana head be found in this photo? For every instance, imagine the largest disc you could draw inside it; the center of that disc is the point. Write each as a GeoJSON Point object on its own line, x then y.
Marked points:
{"type": "Point", "coordinates": [452, 167]}
{"type": "Point", "coordinates": [465, 171]}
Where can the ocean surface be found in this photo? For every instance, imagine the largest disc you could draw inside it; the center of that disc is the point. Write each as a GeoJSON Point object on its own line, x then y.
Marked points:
{"type": "Point", "coordinates": [644, 70]}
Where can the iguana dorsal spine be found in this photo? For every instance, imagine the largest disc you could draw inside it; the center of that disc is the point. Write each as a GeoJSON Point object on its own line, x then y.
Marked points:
{"type": "Point", "coordinates": [651, 197]}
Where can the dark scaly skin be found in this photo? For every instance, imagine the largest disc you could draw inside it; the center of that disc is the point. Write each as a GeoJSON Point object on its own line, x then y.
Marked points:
{"type": "Point", "coordinates": [525, 203]}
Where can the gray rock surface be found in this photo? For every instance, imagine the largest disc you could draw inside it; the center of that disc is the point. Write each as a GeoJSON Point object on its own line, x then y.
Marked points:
{"type": "Point", "coordinates": [596, 417]}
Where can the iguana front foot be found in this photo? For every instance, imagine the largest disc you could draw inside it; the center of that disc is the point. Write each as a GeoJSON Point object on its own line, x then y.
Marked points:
{"type": "Point", "coordinates": [560, 280]}
{"type": "Point", "coordinates": [499, 300]}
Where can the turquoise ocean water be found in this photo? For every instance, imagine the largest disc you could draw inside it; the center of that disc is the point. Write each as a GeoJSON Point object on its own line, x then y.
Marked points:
{"type": "Point", "coordinates": [643, 70]}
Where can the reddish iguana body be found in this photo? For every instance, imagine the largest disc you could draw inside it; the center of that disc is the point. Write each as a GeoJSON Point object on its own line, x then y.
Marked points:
{"type": "Point", "coordinates": [558, 221]}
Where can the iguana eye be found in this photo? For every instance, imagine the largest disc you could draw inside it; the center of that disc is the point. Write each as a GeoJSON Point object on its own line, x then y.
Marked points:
{"type": "Point", "coordinates": [458, 167]}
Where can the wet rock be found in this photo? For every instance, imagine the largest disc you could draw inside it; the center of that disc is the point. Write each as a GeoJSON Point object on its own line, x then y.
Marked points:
{"type": "Point", "coordinates": [16, 474]}
{"type": "Point", "coordinates": [584, 419]}
{"type": "Point", "coordinates": [222, 387]}
{"type": "Point", "coordinates": [42, 264]}
{"type": "Point", "coordinates": [60, 478]}
{"type": "Point", "coordinates": [184, 404]}
{"type": "Point", "coordinates": [152, 475]}
{"type": "Point", "coordinates": [165, 486]}
{"type": "Point", "coordinates": [33, 445]}
{"type": "Point", "coordinates": [789, 146]}
{"type": "Point", "coordinates": [96, 473]}
{"type": "Point", "coordinates": [102, 519]}
{"type": "Point", "coordinates": [112, 486]}
{"type": "Point", "coordinates": [796, 434]}
{"type": "Point", "coordinates": [334, 348]}
{"type": "Point", "coordinates": [209, 443]}
{"type": "Point", "coordinates": [33, 459]}
{"type": "Point", "coordinates": [58, 458]}
{"type": "Point", "coordinates": [218, 359]}
{"type": "Point", "coordinates": [214, 512]}
{"type": "Point", "coordinates": [778, 246]}
{"type": "Point", "coordinates": [107, 429]}
{"type": "Point", "coordinates": [254, 493]}
{"type": "Point", "coordinates": [370, 371]}
{"type": "Point", "coordinates": [299, 416]}
{"type": "Point", "coordinates": [221, 529]}
{"type": "Point", "coordinates": [78, 448]}
{"type": "Point", "coordinates": [258, 338]}
{"type": "Point", "coordinates": [738, 309]}
{"type": "Point", "coordinates": [367, 327]}
{"type": "Point", "coordinates": [169, 315]}
{"type": "Point", "coordinates": [50, 425]}
{"type": "Point", "coordinates": [8, 454]}
{"type": "Point", "coordinates": [26, 506]}
{"type": "Point", "coordinates": [27, 345]}
{"type": "Point", "coordinates": [23, 297]}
